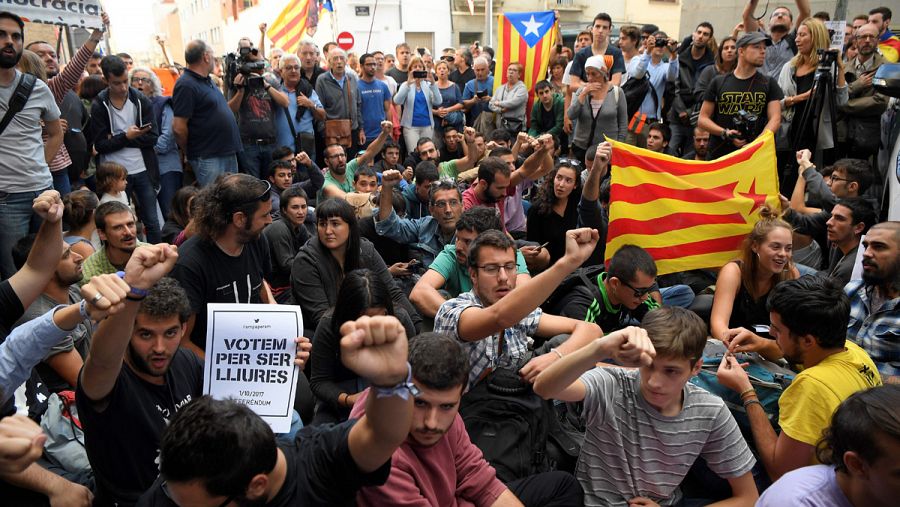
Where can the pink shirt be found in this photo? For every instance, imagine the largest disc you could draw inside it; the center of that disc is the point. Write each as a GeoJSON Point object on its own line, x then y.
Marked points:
{"type": "Point", "coordinates": [451, 473]}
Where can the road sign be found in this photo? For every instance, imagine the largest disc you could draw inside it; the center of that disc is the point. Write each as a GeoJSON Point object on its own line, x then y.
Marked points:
{"type": "Point", "coordinates": [345, 41]}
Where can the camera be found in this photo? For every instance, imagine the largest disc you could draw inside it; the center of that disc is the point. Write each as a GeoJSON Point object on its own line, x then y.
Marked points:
{"type": "Point", "coordinates": [481, 93]}
{"type": "Point", "coordinates": [827, 59]}
{"type": "Point", "coordinates": [420, 74]}
{"type": "Point", "coordinates": [240, 63]}
{"type": "Point", "coordinates": [661, 43]}
{"type": "Point", "coordinates": [745, 123]}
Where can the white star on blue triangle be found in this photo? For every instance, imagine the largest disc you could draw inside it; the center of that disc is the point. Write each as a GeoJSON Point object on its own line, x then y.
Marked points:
{"type": "Point", "coordinates": [532, 26]}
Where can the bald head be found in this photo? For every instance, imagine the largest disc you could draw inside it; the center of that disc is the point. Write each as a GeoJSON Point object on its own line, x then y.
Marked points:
{"type": "Point", "coordinates": [892, 227]}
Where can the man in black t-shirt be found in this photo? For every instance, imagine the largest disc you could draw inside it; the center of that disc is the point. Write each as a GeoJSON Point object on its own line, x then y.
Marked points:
{"type": "Point", "coordinates": [219, 452]}
{"type": "Point", "coordinates": [252, 98]}
{"type": "Point", "coordinates": [744, 96]}
{"type": "Point", "coordinates": [228, 259]}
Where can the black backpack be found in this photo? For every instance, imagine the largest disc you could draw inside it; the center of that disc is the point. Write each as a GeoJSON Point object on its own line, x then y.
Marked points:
{"type": "Point", "coordinates": [18, 99]}
{"type": "Point", "coordinates": [635, 91]}
{"type": "Point", "coordinates": [509, 423]}
{"type": "Point", "coordinates": [585, 276]}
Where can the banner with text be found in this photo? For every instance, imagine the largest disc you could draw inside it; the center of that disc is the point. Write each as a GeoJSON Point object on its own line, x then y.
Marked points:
{"type": "Point", "coordinates": [250, 352]}
{"type": "Point", "coordinates": [83, 13]}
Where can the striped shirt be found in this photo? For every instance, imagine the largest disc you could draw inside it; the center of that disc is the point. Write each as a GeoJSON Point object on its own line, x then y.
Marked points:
{"type": "Point", "coordinates": [59, 85]}
{"type": "Point", "coordinates": [630, 449]}
{"type": "Point", "coordinates": [875, 326]}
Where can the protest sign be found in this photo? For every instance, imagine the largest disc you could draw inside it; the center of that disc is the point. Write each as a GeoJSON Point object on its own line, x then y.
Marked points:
{"type": "Point", "coordinates": [836, 31]}
{"type": "Point", "coordinates": [250, 352]}
{"type": "Point", "coordinates": [83, 13]}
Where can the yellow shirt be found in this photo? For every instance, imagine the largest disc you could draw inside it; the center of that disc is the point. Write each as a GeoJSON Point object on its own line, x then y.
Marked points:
{"type": "Point", "coordinates": [806, 406]}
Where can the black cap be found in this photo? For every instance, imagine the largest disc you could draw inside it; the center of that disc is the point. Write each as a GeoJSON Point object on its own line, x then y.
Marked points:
{"type": "Point", "coordinates": [753, 38]}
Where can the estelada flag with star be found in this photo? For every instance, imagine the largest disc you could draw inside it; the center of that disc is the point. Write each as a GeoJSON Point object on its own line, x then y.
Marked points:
{"type": "Point", "coordinates": [689, 214]}
{"type": "Point", "coordinates": [526, 38]}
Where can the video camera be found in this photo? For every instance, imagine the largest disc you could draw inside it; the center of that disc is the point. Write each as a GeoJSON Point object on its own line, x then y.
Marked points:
{"type": "Point", "coordinates": [241, 63]}
{"type": "Point", "coordinates": [745, 123]}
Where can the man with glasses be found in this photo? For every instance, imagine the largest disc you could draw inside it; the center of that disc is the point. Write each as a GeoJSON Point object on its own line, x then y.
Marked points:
{"type": "Point", "coordinates": [782, 31]}
{"type": "Point", "coordinates": [204, 125]}
{"type": "Point", "coordinates": [303, 109]}
{"type": "Point", "coordinates": [339, 174]}
{"type": "Point", "coordinates": [863, 110]}
{"type": "Point", "coordinates": [495, 320]}
{"type": "Point", "coordinates": [226, 261]}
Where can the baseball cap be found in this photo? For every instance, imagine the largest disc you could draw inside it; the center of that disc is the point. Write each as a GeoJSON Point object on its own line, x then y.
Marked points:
{"type": "Point", "coordinates": [753, 38]}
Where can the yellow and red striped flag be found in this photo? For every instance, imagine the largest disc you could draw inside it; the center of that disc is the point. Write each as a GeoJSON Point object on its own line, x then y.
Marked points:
{"type": "Point", "coordinates": [524, 37]}
{"type": "Point", "coordinates": [689, 214]}
{"type": "Point", "coordinates": [293, 22]}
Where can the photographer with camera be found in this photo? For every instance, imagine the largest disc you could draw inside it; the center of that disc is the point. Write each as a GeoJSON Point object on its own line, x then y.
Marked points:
{"type": "Point", "coordinates": [805, 123]}
{"type": "Point", "coordinates": [739, 105]}
{"type": "Point", "coordinates": [253, 97]}
{"type": "Point", "coordinates": [661, 75]}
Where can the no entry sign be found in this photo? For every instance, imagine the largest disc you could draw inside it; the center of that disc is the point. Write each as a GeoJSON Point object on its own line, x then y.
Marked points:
{"type": "Point", "coordinates": [345, 41]}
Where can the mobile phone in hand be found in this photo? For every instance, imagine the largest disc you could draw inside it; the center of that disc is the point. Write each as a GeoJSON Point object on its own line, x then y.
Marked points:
{"type": "Point", "coordinates": [420, 74]}
{"type": "Point", "coordinates": [145, 126]}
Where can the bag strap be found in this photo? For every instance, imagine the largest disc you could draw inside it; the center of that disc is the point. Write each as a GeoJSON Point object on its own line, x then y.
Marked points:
{"type": "Point", "coordinates": [347, 89]}
{"type": "Point", "coordinates": [291, 125]}
{"type": "Point", "coordinates": [19, 99]}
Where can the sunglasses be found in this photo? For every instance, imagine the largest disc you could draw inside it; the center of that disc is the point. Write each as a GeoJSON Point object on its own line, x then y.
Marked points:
{"type": "Point", "coordinates": [571, 162]}
{"type": "Point", "coordinates": [263, 197]}
{"type": "Point", "coordinates": [639, 292]}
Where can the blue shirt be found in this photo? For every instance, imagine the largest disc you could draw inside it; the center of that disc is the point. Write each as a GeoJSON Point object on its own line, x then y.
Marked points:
{"type": "Point", "coordinates": [469, 92]}
{"type": "Point", "coordinates": [305, 125]}
{"type": "Point", "coordinates": [660, 74]}
{"type": "Point", "coordinates": [421, 115]}
{"type": "Point", "coordinates": [212, 129]}
{"type": "Point", "coordinates": [24, 348]}
{"type": "Point", "coordinates": [373, 96]}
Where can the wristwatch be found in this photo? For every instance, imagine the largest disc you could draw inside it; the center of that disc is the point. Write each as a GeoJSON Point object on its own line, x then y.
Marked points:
{"type": "Point", "coordinates": [402, 390]}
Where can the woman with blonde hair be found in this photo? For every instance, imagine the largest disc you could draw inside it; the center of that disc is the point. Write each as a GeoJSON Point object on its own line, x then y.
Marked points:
{"type": "Point", "coordinates": [739, 315]}
{"type": "Point", "coordinates": [418, 96]}
{"type": "Point", "coordinates": [802, 128]}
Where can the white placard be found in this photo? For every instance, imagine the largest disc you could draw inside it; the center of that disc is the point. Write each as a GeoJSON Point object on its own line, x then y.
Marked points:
{"type": "Point", "coordinates": [837, 33]}
{"type": "Point", "coordinates": [250, 353]}
{"type": "Point", "coordinates": [83, 13]}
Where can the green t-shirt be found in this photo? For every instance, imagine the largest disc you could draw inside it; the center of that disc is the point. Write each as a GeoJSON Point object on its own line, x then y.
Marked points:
{"type": "Point", "coordinates": [614, 317]}
{"type": "Point", "coordinates": [456, 277]}
{"type": "Point", "coordinates": [448, 169]}
{"type": "Point", "coordinates": [346, 186]}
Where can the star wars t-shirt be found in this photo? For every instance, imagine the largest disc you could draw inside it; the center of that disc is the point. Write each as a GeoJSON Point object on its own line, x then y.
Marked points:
{"type": "Point", "coordinates": [733, 95]}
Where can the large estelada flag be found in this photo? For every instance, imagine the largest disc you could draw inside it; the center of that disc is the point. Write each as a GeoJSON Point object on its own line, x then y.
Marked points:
{"type": "Point", "coordinates": [689, 214]}
{"type": "Point", "coordinates": [299, 17]}
{"type": "Point", "coordinates": [524, 37]}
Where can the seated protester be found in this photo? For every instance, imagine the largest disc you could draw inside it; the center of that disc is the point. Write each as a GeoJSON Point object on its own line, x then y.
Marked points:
{"type": "Point", "coordinates": [593, 207]}
{"type": "Point", "coordinates": [438, 464]}
{"type": "Point", "coordinates": [627, 291]}
{"type": "Point", "coordinates": [647, 426]}
{"type": "Point", "coordinates": [391, 252]}
{"type": "Point", "coordinates": [426, 151]}
{"type": "Point", "coordinates": [281, 176]}
{"type": "Point", "coordinates": [117, 230]}
{"type": "Point", "coordinates": [850, 219]}
{"type": "Point", "coordinates": [514, 206]}
{"type": "Point", "coordinates": [809, 319]}
{"type": "Point", "coordinates": [555, 210]}
{"type": "Point", "coordinates": [323, 261]}
{"type": "Point", "coordinates": [365, 183]}
{"type": "Point", "coordinates": [658, 137]}
{"type": "Point", "coordinates": [339, 176]}
{"type": "Point", "coordinates": [498, 178]}
{"type": "Point", "coordinates": [855, 453]}
{"type": "Point", "coordinates": [306, 173]}
{"type": "Point", "coordinates": [285, 237]}
{"type": "Point", "coordinates": [60, 366]}
{"type": "Point", "coordinates": [850, 178]}
{"type": "Point", "coordinates": [416, 195]}
{"type": "Point", "coordinates": [496, 321]}
{"type": "Point", "coordinates": [875, 300]}
{"type": "Point", "coordinates": [136, 376]}
{"type": "Point", "coordinates": [325, 465]}
{"type": "Point", "coordinates": [78, 221]}
{"type": "Point", "coordinates": [427, 236]}
{"type": "Point", "coordinates": [500, 138]}
{"type": "Point", "coordinates": [336, 387]}
{"type": "Point", "coordinates": [453, 147]}
{"type": "Point", "coordinates": [228, 260]}
{"type": "Point", "coordinates": [390, 159]}
{"type": "Point", "coordinates": [743, 285]}
{"type": "Point", "coordinates": [449, 273]}
{"type": "Point", "coordinates": [701, 146]}
{"type": "Point", "coordinates": [179, 213]}
{"type": "Point", "coordinates": [547, 112]}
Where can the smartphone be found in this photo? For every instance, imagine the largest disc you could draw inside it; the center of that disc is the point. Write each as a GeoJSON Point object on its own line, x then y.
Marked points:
{"type": "Point", "coordinates": [412, 263]}
{"type": "Point", "coordinates": [481, 93]}
{"type": "Point", "coordinates": [420, 74]}
{"type": "Point", "coordinates": [544, 245]}
{"type": "Point", "coordinates": [421, 51]}
{"type": "Point", "coordinates": [145, 126]}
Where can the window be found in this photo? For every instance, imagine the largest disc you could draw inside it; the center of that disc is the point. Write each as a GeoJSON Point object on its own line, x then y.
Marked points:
{"type": "Point", "coordinates": [248, 4]}
{"type": "Point", "coordinates": [215, 35]}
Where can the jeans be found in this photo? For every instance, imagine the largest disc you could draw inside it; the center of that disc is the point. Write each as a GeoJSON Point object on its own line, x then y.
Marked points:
{"type": "Point", "coordinates": [412, 135]}
{"type": "Point", "coordinates": [16, 221]}
{"type": "Point", "coordinates": [291, 435]}
{"type": "Point", "coordinates": [207, 169]}
{"type": "Point", "coordinates": [677, 295]}
{"type": "Point", "coordinates": [141, 189]}
{"type": "Point", "coordinates": [61, 182]}
{"type": "Point", "coordinates": [548, 489]}
{"type": "Point", "coordinates": [682, 139]}
{"type": "Point", "coordinates": [255, 159]}
{"type": "Point", "coordinates": [169, 183]}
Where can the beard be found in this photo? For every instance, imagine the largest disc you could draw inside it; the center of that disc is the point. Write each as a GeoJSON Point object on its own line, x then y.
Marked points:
{"type": "Point", "coordinates": [140, 364]}
{"type": "Point", "coordinates": [8, 62]}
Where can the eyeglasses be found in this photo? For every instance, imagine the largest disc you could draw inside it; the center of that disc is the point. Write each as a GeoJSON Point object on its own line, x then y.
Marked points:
{"type": "Point", "coordinates": [165, 489]}
{"type": "Point", "coordinates": [443, 204]}
{"type": "Point", "coordinates": [262, 197]}
{"type": "Point", "coordinates": [290, 68]}
{"type": "Point", "coordinates": [140, 80]}
{"type": "Point", "coordinates": [835, 178]}
{"type": "Point", "coordinates": [494, 269]}
{"type": "Point", "coordinates": [866, 37]}
{"type": "Point", "coordinates": [639, 292]}
{"type": "Point", "coordinates": [569, 162]}
{"type": "Point", "coordinates": [337, 155]}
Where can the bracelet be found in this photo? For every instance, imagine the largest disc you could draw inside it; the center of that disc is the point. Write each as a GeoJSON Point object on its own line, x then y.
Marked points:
{"type": "Point", "coordinates": [133, 291]}
{"type": "Point", "coordinates": [82, 310]}
{"type": "Point", "coordinates": [134, 298]}
{"type": "Point", "coordinates": [747, 403]}
{"type": "Point", "coordinates": [557, 352]}
{"type": "Point", "coordinates": [748, 391]}
{"type": "Point", "coordinates": [401, 390]}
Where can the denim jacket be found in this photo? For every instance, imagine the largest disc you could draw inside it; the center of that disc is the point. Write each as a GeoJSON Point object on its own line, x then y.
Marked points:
{"type": "Point", "coordinates": [421, 234]}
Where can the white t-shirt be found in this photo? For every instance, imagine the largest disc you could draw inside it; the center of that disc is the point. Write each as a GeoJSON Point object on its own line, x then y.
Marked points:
{"type": "Point", "coordinates": [120, 119]}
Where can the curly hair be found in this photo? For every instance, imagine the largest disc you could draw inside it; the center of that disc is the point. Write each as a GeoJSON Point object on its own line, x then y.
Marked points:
{"type": "Point", "coordinates": [167, 298]}
{"type": "Point", "coordinates": [154, 80]}
{"type": "Point", "coordinates": [546, 197]}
